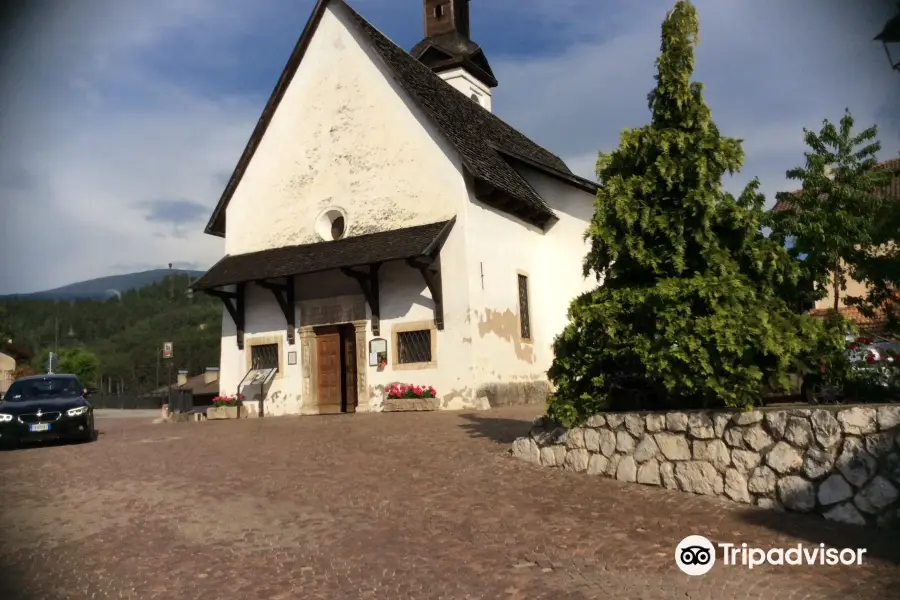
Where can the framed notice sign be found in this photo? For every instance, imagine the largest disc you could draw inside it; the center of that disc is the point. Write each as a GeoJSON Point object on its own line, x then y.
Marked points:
{"type": "Point", "coordinates": [167, 350]}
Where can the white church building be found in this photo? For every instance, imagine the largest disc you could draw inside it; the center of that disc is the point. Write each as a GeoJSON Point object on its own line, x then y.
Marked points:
{"type": "Point", "coordinates": [384, 226]}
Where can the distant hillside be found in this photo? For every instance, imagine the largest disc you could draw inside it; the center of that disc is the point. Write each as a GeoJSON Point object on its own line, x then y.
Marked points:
{"type": "Point", "coordinates": [126, 332]}
{"type": "Point", "coordinates": [103, 287]}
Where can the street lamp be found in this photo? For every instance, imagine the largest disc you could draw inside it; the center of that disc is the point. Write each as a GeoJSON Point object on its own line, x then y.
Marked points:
{"type": "Point", "coordinates": [890, 35]}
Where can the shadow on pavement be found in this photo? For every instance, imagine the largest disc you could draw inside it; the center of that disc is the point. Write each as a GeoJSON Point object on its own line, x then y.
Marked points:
{"type": "Point", "coordinates": [497, 429]}
{"type": "Point", "coordinates": [880, 544]}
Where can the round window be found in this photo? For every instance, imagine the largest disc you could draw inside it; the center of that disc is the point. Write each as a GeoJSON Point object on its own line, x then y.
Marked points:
{"type": "Point", "coordinates": [337, 228]}
{"type": "Point", "coordinates": [331, 224]}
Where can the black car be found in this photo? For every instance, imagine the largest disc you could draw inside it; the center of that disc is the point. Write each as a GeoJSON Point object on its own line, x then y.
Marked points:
{"type": "Point", "coordinates": [46, 407]}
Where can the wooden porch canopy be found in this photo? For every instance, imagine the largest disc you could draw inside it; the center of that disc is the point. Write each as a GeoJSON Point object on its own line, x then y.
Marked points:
{"type": "Point", "coordinates": [359, 257]}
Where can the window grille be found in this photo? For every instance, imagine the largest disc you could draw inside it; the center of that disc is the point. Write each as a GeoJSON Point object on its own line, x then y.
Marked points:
{"type": "Point", "coordinates": [414, 346]}
{"type": "Point", "coordinates": [524, 321]}
{"type": "Point", "coordinates": [264, 356]}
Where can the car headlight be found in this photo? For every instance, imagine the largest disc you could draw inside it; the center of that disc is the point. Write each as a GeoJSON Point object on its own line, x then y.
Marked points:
{"type": "Point", "coordinates": [5, 418]}
{"type": "Point", "coordinates": [75, 412]}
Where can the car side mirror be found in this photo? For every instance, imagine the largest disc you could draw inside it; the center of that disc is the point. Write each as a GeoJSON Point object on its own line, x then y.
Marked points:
{"type": "Point", "coordinates": [90, 391]}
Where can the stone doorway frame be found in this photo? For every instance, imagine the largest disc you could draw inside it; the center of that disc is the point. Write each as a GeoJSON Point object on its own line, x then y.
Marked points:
{"type": "Point", "coordinates": [309, 366]}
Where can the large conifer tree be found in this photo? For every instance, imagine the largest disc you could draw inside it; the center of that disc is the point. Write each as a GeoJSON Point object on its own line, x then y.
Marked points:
{"type": "Point", "coordinates": [687, 314]}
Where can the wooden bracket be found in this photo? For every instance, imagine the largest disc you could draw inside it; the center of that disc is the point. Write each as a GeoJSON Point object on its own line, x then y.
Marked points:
{"type": "Point", "coordinates": [368, 283]}
{"type": "Point", "coordinates": [234, 304]}
{"type": "Point", "coordinates": [429, 274]}
{"type": "Point", "coordinates": [284, 295]}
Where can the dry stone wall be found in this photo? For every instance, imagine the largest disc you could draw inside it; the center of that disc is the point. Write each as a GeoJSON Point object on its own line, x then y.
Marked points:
{"type": "Point", "coordinates": [842, 463]}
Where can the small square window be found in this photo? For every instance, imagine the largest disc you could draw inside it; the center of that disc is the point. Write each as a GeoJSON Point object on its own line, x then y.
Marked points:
{"type": "Point", "coordinates": [264, 356]}
{"type": "Point", "coordinates": [414, 346]}
{"type": "Point", "coordinates": [524, 320]}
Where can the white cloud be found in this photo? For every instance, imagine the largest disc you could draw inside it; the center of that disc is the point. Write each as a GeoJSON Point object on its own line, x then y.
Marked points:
{"type": "Point", "coordinates": [770, 68]}
{"type": "Point", "coordinates": [93, 159]}
{"type": "Point", "coordinates": [94, 129]}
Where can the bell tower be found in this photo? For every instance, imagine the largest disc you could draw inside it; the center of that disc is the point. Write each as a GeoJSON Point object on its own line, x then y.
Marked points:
{"type": "Point", "coordinates": [448, 50]}
{"type": "Point", "coordinates": [444, 16]}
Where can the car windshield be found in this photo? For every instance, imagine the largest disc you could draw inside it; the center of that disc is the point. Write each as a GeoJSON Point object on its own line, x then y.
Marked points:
{"type": "Point", "coordinates": [43, 388]}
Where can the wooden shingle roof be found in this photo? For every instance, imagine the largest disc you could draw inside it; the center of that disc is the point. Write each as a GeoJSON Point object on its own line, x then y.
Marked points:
{"type": "Point", "coordinates": [358, 250]}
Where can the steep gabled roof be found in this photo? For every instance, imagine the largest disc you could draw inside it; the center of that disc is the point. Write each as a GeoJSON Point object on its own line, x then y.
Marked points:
{"type": "Point", "coordinates": [474, 132]}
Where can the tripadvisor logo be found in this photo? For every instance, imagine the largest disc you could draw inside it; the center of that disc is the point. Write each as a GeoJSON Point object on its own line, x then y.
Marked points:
{"type": "Point", "coordinates": [696, 555]}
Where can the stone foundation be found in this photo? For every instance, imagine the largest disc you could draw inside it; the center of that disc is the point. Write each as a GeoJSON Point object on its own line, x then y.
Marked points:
{"type": "Point", "coordinates": [515, 393]}
{"type": "Point", "coordinates": [843, 463]}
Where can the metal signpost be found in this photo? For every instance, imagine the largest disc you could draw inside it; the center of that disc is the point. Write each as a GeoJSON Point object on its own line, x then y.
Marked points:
{"type": "Point", "coordinates": [52, 363]}
{"type": "Point", "coordinates": [167, 353]}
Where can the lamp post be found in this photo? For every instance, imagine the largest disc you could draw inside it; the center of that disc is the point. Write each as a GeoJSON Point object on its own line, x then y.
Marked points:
{"type": "Point", "coordinates": [890, 37]}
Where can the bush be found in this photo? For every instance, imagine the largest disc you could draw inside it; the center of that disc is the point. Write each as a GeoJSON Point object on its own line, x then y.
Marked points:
{"type": "Point", "coordinates": [692, 310]}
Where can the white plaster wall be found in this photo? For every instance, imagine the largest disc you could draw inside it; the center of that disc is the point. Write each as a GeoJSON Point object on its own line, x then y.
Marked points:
{"type": "Point", "coordinates": [406, 298]}
{"type": "Point", "coordinates": [231, 360]}
{"type": "Point", "coordinates": [468, 85]}
{"type": "Point", "coordinates": [561, 259]}
{"type": "Point", "coordinates": [343, 135]}
{"type": "Point", "coordinates": [502, 247]}
{"type": "Point", "coordinates": [264, 319]}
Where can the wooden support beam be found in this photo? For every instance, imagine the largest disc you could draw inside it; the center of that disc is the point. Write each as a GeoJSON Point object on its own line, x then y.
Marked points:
{"type": "Point", "coordinates": [429, 274]}
{"type": "Point", "coordinates": [234, 304]}
{"type": "Point", "coordinates": [284, 295]}
{"type": "Point", "coordinates": [368, 283]}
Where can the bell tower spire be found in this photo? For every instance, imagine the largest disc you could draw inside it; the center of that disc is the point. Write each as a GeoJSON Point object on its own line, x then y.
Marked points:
{"type": "Point", "coordinates": [449, 51]}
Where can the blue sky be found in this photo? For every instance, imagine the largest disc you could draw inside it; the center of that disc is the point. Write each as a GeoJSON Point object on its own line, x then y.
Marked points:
{"type": "Point", "coordinates": [123, 118]}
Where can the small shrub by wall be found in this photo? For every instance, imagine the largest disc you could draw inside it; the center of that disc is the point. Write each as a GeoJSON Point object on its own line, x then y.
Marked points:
{"type": "Point", "coordinates": [843, 463]}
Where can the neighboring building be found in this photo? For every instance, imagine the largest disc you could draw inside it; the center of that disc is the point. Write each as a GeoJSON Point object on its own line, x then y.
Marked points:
{"type": "Point", "coordinates": [853, 288]}
{"type": "Point", "coordinates": [7, 368]}
{"type": "Point", "coordinates": [381, 213]}
{"type": "Point", "coordinates": [203, 387]}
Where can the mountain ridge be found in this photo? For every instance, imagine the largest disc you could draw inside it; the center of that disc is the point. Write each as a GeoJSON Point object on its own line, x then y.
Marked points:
{"type": "Point", "coordinates": [103, 287]}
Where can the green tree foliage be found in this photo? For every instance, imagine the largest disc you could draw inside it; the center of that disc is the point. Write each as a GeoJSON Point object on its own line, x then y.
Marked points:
{"type": "Point", "coordinates": [75, 361]}
{"type": "Point", "coordinates": [5, 332]}
{"type": "Point", "coordinates": [688, 314]}
{"type": "Point", "coordinates": [126, 334]}
{"type": "Point", "coordinates": [832, 218]}
{"type": "Point", "coordinates": [879, 267]}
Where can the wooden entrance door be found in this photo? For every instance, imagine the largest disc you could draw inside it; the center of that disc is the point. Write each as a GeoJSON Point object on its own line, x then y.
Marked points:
{"type": "Point", "coordinates": [328, 370]}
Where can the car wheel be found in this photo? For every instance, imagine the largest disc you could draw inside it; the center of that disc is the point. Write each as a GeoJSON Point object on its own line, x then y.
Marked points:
{"type": "Point", "coordinates": [91, 434]}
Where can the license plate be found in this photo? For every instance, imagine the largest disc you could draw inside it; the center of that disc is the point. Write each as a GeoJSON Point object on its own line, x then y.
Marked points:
{"type": "Point", "coordinates": [40, 427]}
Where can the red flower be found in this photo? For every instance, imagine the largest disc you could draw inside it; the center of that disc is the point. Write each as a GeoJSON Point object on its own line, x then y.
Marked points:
{"type": "Point", "coordinates": [870, 358]}
{"type": "Point", "coordinates": [852, 346]}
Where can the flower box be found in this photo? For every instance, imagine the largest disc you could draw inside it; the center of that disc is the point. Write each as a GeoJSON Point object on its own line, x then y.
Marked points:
{"type": "Point", "coordinates": [226, 412]}
{"type": "Point", "coordinates": [402, 397]}
{"type": "Point", "coordinates": [410, 404]}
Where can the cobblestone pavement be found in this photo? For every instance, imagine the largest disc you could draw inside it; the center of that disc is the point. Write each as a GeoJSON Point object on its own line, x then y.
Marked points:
{"type": "Point", "coordinates": [426, 505]}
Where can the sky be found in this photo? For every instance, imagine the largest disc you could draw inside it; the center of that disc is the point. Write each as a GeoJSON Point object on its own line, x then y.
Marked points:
{"type": "Point", "coordinates": [123, 119]}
